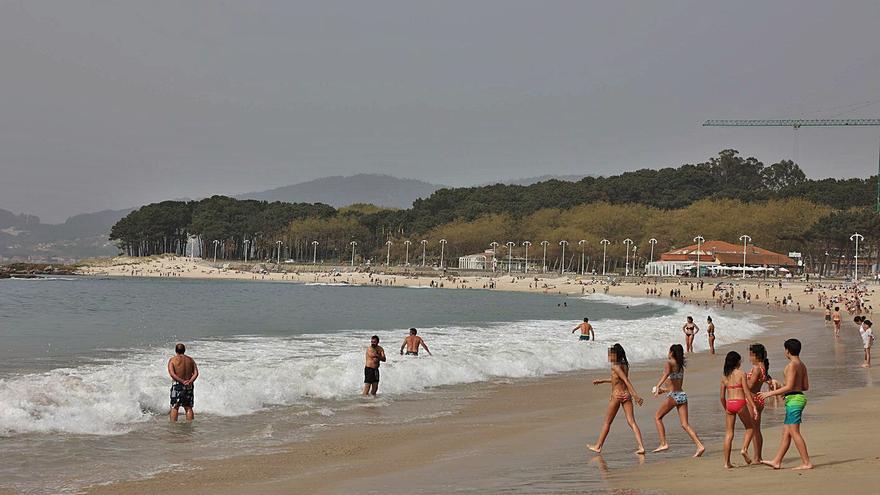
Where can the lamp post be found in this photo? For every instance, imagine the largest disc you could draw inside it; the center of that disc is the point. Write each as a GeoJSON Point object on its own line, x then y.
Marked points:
{"type": "Point", "coordinates": [247, 244]}
{"type": "Point", "coordinates": [406, 259]}
{"type": "Point", "coordinates": [388, 253]}
{"type": "Point", "coordinates": [652, 241]}
{"type": "Point", "coordinates": [353, 245]}
{"type": "Point", "coordinates": [628, 242]}
{"type": "Point", "coordinates": [424, 243]}
{"type": "Point", "coordinates": [494, 246]}
{"type": "Point", "coordinates": [635, 261]}
{"type": "Point", "coordinates": [581, 244]}
{"type": "Point", "coordinates": [605, 243]}
{"type": "Point", "coordinates": [544, 260]}
{"type": "Point", "coordinates": [526, 244]}
{"type": "Point", "coordinates": [856, 237]}
{"type": "Point", "coordinates": [746, 240]}
{"type": "Point", "coordinates": [216, 242]}
{"type": "Point", "coordinates": [279, 244]}
{"type": "Point", "coordinates": [699, 240]}
{"type": "Point", "coordinates": [510, 245]}
{"type": "Point", "coordinates": [314, 252]}
{"type": "Point", "coordinates": [562, 260]}
{"type": "Point", "coordinates": [442, 248]}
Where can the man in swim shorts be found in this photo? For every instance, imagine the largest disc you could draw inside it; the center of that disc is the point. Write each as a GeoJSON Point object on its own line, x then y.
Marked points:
{"type": "Point", "coordinates": [375, 355]}
{"type": "Point", "coordinates": [412, 342]}
{"type": "Point", "coordinates": [183, 371]}
{"type": "Point", "coordinates": [586, 329]}
{"type": "Point", "coordinates": [796, 383]}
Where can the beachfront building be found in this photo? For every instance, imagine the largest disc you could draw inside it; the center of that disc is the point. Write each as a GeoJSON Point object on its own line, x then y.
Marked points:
{"type": "Point", "coordinates": [490, 261]}
{"type": "Point", "coordinates": [720, 258]}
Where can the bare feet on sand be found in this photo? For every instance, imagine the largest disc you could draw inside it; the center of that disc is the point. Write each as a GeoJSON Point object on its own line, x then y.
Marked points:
{"type": "Point", "coordinates": [746, 457]}
{"type": "Point", "coordinates": [802, 467]}
{"type": "Point", "coordinates": [641, 451]}
{"type": "Point", "coordinates": [771, 464]}
{"type": "Point", "coordinates": [700, 451]}
{"type": "Point", "coordinates": [661, 448]}
{"type": "Point", "coordinates": [728, 466]}
{"type": "Point", "coordinates": [594, 448]}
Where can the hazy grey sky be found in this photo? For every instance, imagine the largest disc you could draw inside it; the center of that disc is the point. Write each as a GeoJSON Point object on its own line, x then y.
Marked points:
{"type": "Point", "coordinates": [114, 104]}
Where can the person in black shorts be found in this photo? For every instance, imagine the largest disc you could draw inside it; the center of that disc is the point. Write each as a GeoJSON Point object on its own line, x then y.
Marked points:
{"type": "Point", "coordinates": [184, 371]}
{"type": "Point", "coordinates": [375, 354]}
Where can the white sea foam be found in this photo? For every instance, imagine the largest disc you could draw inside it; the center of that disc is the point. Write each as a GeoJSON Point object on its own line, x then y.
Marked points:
{"type": "Point", "coordinates": [246, 374]}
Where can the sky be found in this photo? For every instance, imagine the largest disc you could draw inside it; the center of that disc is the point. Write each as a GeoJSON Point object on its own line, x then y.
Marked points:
{"type": "Point", "coordinates": [116, 104]}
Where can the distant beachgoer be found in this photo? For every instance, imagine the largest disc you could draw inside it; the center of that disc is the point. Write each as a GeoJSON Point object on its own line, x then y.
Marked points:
{"type": "Point", "coordinates": [586, 329]}
{"type": "Point", "coordinates": [867, 340]}
{"type": "Point", "coordinates": [690, 329]}
{"type": "Point", "coordinates": [796, 383]}
{"type": "Point", "coordinates": [756, 378]}
{"type": "Point", "coordinates": [710, 330]}
{"type": "Point", "coordinates": [375, 355]}
{"type": "Point", "coordinates": [835, 318]}
{"type": "Point", "coordinates": [827, 315]}
{"type": "Point", "coordinates": [184, 371]}
{"type": "Point", "coordinates": [734, 398]}
{"type": "Point", "coordinates": [675, 398]}
{"type": "Point", "coordinates": [412, 342]}
{"type": "Point", "coordinates": [622, 394]}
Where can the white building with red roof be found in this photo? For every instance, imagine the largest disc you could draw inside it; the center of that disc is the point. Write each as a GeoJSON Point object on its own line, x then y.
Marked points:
{"type": "Point", "coordinates": [719, 257]}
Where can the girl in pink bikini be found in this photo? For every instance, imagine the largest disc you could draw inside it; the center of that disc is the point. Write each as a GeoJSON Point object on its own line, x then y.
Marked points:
{"type": "Point", "coordinates": [756, 378]}
{"type": "Point", "coordinates": [735, 396]}
{"type": "Point", "coordinates": [622, 394]}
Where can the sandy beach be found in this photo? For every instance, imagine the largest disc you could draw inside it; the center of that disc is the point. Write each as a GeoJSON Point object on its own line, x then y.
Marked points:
{"type": "Point", "coordinates": [531, 434]}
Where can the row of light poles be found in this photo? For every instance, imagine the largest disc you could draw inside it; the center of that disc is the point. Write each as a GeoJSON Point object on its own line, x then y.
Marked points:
{"type": "Point", "coordinates": [746, 239]}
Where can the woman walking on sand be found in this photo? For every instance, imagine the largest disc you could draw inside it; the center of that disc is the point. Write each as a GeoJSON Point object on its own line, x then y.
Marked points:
{"type": "Point", "coordinates": [756, 378]}
{"type": "Point", "coordinates": [734, 398]}
{"type": "Point", "coordinates": [675, 398]}
{"type": "Point", "coordinates": [690, 329]}
{"type": "Point", "coordinates": [622, 394]}
{"type": "Point", "coordinates": [710, 329]}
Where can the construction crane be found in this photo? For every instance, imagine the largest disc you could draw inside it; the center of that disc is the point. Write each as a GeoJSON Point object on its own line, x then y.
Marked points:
{"type": "Point", "coordinates": [797, 124]}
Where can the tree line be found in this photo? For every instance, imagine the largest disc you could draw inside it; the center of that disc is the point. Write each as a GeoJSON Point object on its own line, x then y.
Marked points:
{"type": "Point", "coordinates": [722, 198]}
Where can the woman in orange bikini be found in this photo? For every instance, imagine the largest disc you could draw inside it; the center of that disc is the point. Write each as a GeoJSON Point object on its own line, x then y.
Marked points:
{"type": "Point", "coordinates": [622, 394]}
{"type": "Point", "coordinates": [734, 398]}
{"type": "Point", "coordinates": [756, 378]}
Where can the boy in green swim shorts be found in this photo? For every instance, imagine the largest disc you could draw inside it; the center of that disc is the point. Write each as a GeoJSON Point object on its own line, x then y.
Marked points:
{"type": "Point", "coordinates": [796, 383]}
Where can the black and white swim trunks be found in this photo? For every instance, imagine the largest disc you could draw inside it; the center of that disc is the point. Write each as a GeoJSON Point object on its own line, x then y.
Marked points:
{"type": "Point", "coordinates": [182, 395]}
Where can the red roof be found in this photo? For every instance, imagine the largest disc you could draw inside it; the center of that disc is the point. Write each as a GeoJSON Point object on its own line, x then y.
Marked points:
{"type": "Point", "coordinates": [726, 253]}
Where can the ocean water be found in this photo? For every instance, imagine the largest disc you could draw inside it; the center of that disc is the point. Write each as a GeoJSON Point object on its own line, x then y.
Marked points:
{"type": "Point", "coordinates": [84, 390]}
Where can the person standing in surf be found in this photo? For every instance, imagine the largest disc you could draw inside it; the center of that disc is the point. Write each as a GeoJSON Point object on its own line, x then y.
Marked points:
{"type": "Point", "coordinates": [375, 354]}
{"type": "Point", "coordinates": [676, 398]}
{"type": "Point", "coordinates": [622, 394]}
{"type": "Point", "coordinates": [586, 329]}
{"type": "Point", "coordinates": [710, 330]}
{"type": "Point", "coordinates": [184, 371]}
{"type": "Point", "coordinates": [690, 329]}
{"type": "Point", "coordinates": [412, 342]}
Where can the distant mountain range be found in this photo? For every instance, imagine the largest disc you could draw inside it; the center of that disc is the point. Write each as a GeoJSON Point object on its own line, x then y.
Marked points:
{"type": "Point", "coordinates": [83, 236]}
{"type": "Point", "coordinates": [379, 190]}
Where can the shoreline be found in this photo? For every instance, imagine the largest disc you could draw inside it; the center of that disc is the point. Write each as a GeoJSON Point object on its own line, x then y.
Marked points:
{"type": "Point", "coordinates": [442, 448]}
